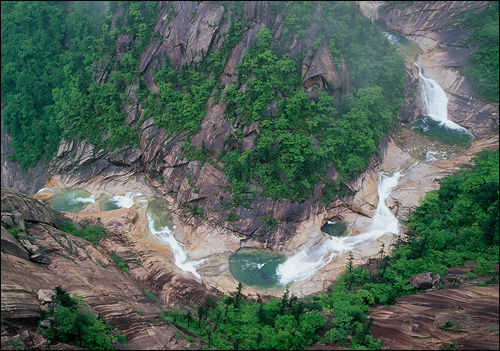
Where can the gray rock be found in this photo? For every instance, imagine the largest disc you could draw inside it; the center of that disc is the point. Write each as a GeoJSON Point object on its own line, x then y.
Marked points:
{"type": "Point", "coordinates": [43, 259]}
{"type": "Point", "coordinates": [436, 280]}
{"type": "Point", "coordinates": [7, 220]}
{"type": "Point", "coordinates": [11, 246]}
{"type": "Point", "coordinates": [19, 220]}
{"type": "Point", "coordinates": [421, 281]}
{"type": "Point", "coordinates": [33, 249]}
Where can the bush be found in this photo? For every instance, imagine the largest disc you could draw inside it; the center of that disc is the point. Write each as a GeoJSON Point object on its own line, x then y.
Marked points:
{"type": "Point", "coordinates": [69, 324]}
{"type": "Point", "coordinates": [92, 233]}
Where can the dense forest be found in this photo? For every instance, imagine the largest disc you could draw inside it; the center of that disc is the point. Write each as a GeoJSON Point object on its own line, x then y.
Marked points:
{"type": "Point", "coordinates": [50, 94]}
{"type": "Point", "coordinates": [52, 53]}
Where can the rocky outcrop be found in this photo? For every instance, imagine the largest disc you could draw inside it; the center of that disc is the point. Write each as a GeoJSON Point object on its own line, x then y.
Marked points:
{"type": "Point", "coordinates": [28, 180]}
{"type": "Point", "coordinates": [79, 267]}
{"type": "Point", "coordinates": [466, 317]}
{"type": "Point", "coordinates": [321, 70]}
{"type": "Point", "coordinates": [27, 209]}
{"type": "Point", "coordinates": [11, 246]}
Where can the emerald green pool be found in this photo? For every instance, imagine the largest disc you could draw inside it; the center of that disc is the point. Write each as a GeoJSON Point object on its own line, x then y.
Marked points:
{"type": "Point", "coordinates": [335, 228]}
{"type": "Point", "coordinates": [160, 214]}
{"type": "Point", "coordinates": [107, 204]}
{"type": "Point", "coordinates": [441, 132]}
{"type": "Point", "coordinates": [256, 268]}
{"type": "Point", "coordinates": [71, 200]}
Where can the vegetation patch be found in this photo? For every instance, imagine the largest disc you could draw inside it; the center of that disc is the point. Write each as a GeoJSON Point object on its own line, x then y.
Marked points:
{"type": "Point", "coordinates": [70, 324]}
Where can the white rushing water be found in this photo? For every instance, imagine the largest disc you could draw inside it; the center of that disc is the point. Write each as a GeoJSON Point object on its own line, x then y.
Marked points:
{"type": "Point", "coordinates": [74, 199]}
{"type": "Point", "coordinates": [125, 201]}
{"type": "Point", "coordinates": [436, 101]}
{"type": "Point", "coordinates": [182, 261]}
{"type": "Point", "coordinates": [308, 261]}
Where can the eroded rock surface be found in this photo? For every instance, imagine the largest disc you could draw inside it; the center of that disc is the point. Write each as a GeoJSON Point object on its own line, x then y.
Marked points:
{"type": "Point", "coordinates": [419, 322]}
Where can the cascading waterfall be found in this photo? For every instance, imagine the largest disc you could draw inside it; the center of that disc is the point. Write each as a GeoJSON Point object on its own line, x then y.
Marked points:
{"type": "Point", "coordinates": [308, 261]}
{"type": "Point", "coordinates": [182, 261]}
{"type": "Point", "coordinates": [436, 101]}
{"type": "Point", "coordinates": [125, 201]}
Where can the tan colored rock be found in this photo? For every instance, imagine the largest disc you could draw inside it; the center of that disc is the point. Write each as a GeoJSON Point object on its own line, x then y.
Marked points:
{"type": "Point", "coordinates": [421, 281]}
{"type": "Point", "coordinates": [46, 295]}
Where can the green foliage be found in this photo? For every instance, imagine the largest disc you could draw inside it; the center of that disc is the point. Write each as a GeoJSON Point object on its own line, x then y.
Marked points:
{"type": "Point", "coordinates": [287, 160]}
{"type": "Point", "coordinates": [92, 233]}
{"type": "Point", "coordinates": [14, 231]}
{"type": "Point", "coordinates": [150, 295]}
{"type": "Point", "coordinates": [49, 57]}
{"type": "Point", "coordinates": [71, 324]}
{"type": "Point", "coordinates": [483, 74]}
{"type": "Point", "coordinates": [441, 230]}
{"type": "Point", "coordinates": [122, 265]}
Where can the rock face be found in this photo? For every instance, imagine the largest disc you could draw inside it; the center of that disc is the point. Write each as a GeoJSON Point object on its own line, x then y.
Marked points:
{"type": "Point", "coordinates": [435, 27]}
{"type": "Point", "coordinates": [13, 177]}
{"type": "Point", "coordinates": [419, 322]}
{"type": "Point", "coordinates": [321, 70]}
{"type": "Point", "coordinates": [79, 267]}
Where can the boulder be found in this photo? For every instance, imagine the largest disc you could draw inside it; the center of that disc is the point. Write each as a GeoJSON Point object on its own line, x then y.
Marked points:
{"type": "Point", "coordinates": [7, 219]}
{"type": "Point", "coordinates": [123, 44]}
{"type": "Point", "coordinates": [33, 249]}
{"type": "Point", "coordinates": [11, 246]}
{"type": "Point", "coordinates": [42, 259]}
{"type": "Point", "coordinates": [29, 208]}
{"type": "Point", "coordinates": [421, 281]}
{"type": "Point", "coordinates": [46, 295]}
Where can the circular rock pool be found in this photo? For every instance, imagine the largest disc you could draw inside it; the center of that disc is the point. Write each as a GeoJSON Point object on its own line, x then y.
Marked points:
{"type": "Point", "coordinates": [71, 200]}
{"type": "Point", "coordinates": [256, 268]}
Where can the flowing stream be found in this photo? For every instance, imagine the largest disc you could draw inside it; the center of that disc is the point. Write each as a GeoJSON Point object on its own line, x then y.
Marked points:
{"type": "Point", "coordinates": [160, 225]}
{"type": "Point", "coordinates": [308, 261]}
{"type": "Point", "coordinates": [116, 202]}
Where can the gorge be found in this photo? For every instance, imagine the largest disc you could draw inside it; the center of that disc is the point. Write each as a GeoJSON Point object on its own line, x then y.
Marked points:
{"type": "Point", "coordinates": [172, 205]}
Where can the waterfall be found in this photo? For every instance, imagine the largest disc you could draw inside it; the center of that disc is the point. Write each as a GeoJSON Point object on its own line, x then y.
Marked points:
{"type": "Point", "coordinates": [125, 201]}
{"type": "Point", "coordinates": [308, 261]}
{"type": "Point", "coordinates": [436, 102]}
{"type": "Point", "coordinates": [182, 261]}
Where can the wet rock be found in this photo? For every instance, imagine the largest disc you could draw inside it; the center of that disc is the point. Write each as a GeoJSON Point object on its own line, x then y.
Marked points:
{"type": "Point", "coordinates": [435, 27]}
{"type": "Point", "coordinates": [11, 246]}
{"type": "Point", "coordinates": [421, 281]}
{"type": "Point", "coordinates": [43, 259]}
